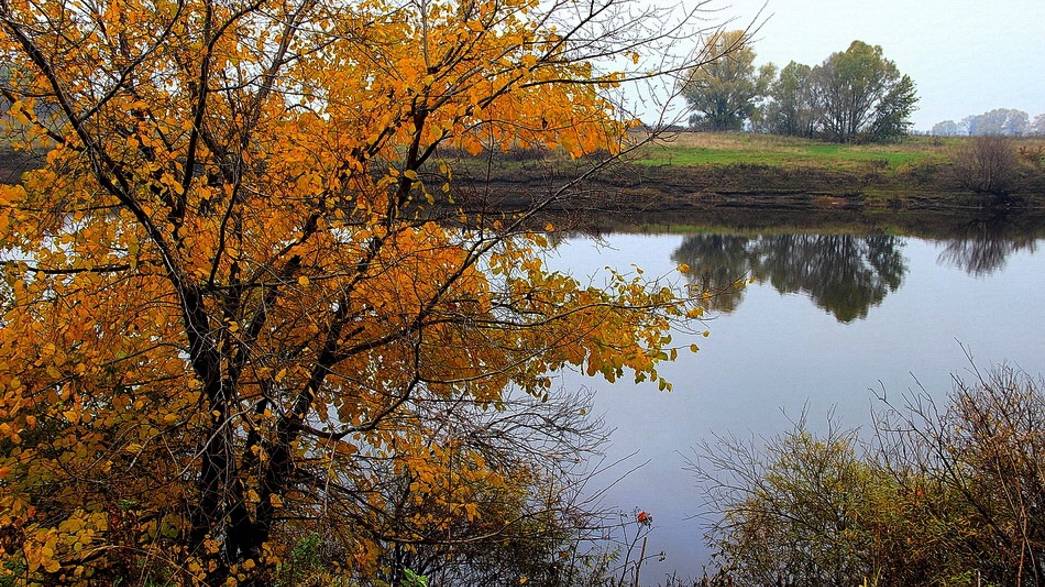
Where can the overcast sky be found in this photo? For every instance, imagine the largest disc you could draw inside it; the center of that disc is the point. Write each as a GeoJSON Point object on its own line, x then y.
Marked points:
{"type": "Point", "coordinates": [966, 56]}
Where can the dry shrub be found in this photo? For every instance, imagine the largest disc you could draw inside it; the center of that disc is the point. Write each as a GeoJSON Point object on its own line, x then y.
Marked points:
{"type": "Point", "coordinates": [944, 494]}
{"type": "Point", "coordinates": [1033, 154]}
{"type": "Point", "coordinates": [987, 165]}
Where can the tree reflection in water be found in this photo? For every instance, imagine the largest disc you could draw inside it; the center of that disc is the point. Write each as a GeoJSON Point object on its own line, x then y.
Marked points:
{"type": "Point", "coordinates": [843, 274]}
{"type": "Point", "coordinates": [985, 246]}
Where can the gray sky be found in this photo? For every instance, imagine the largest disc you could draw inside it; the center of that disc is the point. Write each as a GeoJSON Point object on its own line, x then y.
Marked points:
{"type": "Point", "coordinates": [966, 56]}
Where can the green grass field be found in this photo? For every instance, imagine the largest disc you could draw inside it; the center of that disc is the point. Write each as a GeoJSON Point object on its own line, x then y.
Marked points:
{"type": "Point", "coordinates": [747, 149]}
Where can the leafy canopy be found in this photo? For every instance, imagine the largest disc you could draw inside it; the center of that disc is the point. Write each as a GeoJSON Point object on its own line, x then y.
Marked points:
{"type": "Point", "coordinates": [723, 92]}
{"type": "Point", "coordinates": [863, 95]}
{"type": "Point", "coordinates": [232, 298]}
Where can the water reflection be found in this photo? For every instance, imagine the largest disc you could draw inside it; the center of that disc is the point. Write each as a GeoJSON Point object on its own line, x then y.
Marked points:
{"type": "Point", "coordinates": [984, 247]}
{"type": "Point", "coordinates": [843, 274]}
{"type": "Point", "coordinates": [755, 374]}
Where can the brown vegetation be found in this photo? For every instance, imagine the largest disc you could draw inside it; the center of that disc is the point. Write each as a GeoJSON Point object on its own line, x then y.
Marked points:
{"type": "Point", "coordinates": [987, 165]}
{"type": "Point", "coordinates": [944, 494]}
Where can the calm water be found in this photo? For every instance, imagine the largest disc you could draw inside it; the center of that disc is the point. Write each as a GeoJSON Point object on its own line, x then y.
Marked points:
{"type": "Point", "coordinates": [829, 319]}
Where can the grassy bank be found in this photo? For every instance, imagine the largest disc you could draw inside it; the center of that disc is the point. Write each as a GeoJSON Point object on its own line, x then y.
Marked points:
{"type": "Point", "coordinates": [701, 171]}
{"type": "Point", "coordinates": [718, 149]}
{"type": "Point", "coordinates": [923, 224]}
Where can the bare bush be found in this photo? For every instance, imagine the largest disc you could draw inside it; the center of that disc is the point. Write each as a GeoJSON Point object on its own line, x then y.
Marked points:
{"type": "Point", "coordinates": [980, 462]}
{"type": "Point", "coordinates": [986, 165]}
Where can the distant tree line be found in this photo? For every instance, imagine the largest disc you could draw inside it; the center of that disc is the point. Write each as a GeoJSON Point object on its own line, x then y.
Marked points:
{"type": "Point", "coordinates": [1007, 122]}
{"type": "Point", "coordinates": [856, 95]}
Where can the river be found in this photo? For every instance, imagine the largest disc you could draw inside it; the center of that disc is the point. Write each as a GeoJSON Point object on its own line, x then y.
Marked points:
{"type": "Point", "coordinates": [833, 319]}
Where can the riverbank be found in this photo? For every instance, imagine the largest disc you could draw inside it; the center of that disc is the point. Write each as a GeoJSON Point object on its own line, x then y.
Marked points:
{"type": "Point", "coordinates": [928, 225]}
{"type": "Point", "coordinates": [740, 148]}
{"type": "Point", "coordinates": [703, 171]}
{"type": "Point", "coordinates": [691, 172]}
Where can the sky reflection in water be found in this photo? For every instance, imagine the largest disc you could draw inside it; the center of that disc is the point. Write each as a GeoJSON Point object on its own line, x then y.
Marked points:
{"type": "Point", "coordinates": [830, 321]}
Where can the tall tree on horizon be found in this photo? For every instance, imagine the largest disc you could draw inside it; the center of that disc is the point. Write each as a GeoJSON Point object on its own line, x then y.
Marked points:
{"type": "Point", "coordinates": [863, 96]}
{"type": "Point", "coordinates": [792, 110]}
{"type": "Point", "coordinates": [723, 94]}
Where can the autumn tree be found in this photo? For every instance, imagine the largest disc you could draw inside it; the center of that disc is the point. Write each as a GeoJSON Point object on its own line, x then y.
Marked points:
{"type": "Point", "coordinates": [240, 309]}
{"type": "Point", "coordinates": [5, 75]}
{"type": "Point", "coordinates": [724, 92]}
